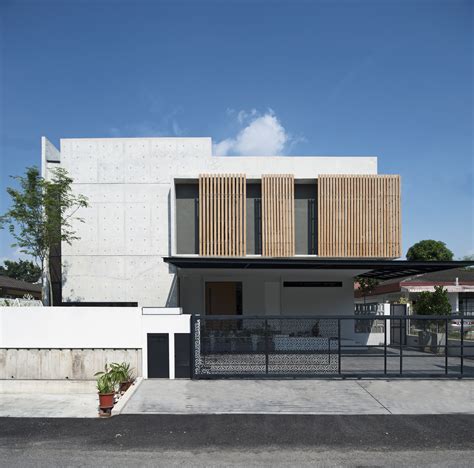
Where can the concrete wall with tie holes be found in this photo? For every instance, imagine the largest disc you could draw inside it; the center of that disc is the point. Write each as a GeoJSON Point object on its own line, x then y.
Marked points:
{"type": "Point", "coordinates": [130, 224]}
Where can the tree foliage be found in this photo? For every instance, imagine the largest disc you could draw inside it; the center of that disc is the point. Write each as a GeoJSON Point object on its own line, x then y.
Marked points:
{"type": "Point", "coordinates": [41, 214]}
{"type": "Point", "coordinates": [366, 285]}
{"type": "Point", "coordinates": [23, 270]}
{"type": "Point", "coordinates": [429, 250]}
{"type": "Point", "coordinates": [433, 303]}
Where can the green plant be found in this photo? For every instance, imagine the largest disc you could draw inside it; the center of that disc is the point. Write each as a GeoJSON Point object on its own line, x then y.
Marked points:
{"type": "Point", "coordinates": [429, 250]}
{"type": "Point", "coordinates": [23, 270]}
{"type": "Point", "coordinates": [433, 303]}
{"type": "Point", "coordinates": [106, 380]}
{"type": "Point", "coordinates": [366, 285]}
{"type": "Point", "coordinates": [41, 215]}
{"type": "Point", "coordinates": [403, 300]}
{"type": "Point", "coordinates": [122, 372]}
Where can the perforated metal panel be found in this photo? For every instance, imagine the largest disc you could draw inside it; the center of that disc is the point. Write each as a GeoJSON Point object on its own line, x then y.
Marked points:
{"type": "Point", "coordinates": [265, 346]}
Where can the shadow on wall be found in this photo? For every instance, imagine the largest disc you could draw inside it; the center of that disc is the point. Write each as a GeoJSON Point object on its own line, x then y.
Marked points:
{"type": "Point", "coordinates": [64, 279]}
{"type": "Point", "coordinates": [171, 300]}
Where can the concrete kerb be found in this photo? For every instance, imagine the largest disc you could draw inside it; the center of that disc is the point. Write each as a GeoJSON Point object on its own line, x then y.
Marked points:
{"type": "Point", "coordinates": [119, 406]}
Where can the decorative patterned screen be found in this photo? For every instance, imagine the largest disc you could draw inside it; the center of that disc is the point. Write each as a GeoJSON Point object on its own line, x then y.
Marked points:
{"type": "Point", "coordinates": [259, 346]}
{"type": "Point", "coordinates": [359, 216]}
{"type": "Point", "coordinates": [278, 215]}
{"type": "Point", "coordinates": [222, 214]}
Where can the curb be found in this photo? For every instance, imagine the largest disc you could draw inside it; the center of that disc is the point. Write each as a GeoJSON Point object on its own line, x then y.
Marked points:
{"type": "Point", "coordinates": [120, 405]}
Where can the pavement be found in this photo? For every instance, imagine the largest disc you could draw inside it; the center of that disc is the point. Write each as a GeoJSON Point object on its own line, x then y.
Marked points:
{"type": "Point", "coordinates": [239, 440]}
{"type": "Point", "coordinates": [48, 398]}
{"type": "Point", "coordinates": [78, 399]}
{"type": "Point", "coordinates": [311, 397]}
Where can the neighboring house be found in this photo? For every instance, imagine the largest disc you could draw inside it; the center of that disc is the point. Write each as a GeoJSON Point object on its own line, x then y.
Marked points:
{"type": "Point", "coordinates": [458, 282]}
{"type": "Point", "coordinates": [11, 288]}
{"type": "Point", "coordinates": [236, 260]}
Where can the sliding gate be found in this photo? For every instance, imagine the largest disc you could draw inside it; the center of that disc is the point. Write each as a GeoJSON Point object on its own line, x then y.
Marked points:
{"type": "Point", "coordinates": [340, 346]}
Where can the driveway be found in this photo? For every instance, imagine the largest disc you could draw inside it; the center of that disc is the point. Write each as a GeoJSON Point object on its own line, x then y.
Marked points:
{"type": "Point", "coordinates": [356, 397]}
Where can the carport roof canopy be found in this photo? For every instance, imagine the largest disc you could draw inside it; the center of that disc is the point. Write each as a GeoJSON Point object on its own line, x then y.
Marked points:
{"type": "Point", "coordinates": [379, 269]}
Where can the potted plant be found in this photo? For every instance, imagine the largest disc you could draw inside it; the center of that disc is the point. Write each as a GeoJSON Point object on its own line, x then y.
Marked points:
{"type": "Point", "coordinates": [106, 389]}
{"type": "Point", "coordinates": [123, 375]}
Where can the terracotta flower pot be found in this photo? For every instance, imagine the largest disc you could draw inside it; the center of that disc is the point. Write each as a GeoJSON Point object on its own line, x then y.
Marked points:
{"type": "Point", "coordinates": [106, 400]}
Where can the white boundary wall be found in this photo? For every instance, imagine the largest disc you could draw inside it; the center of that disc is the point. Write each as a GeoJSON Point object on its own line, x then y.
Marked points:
{"type": "Point", "coordinates": [89, 328]}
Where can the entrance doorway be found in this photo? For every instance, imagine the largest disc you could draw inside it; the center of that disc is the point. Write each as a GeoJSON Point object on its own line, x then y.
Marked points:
{"type": "Point", "coordinates": [158, 355]}
{"type": "Point", "coordinates": [224, 298]}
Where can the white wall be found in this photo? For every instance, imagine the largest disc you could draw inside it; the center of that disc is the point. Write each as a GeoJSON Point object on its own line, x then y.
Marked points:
{"type": "Point", "coordinates": [70, 327]}
{"type": "Point", "coordinates": [89, 327]}
{"type": "Point", "coordinates": [128, 227]}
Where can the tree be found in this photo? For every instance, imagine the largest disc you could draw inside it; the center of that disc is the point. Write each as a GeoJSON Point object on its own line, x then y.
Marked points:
{"type": "Point", "coordinates": [23, 270]}
{"type": "Point", "coordinates": [429, 250]}
{"type": "Point", "coordinates": [41, 216]}
{"type": "Point", "coordinates": [366, 285]}
{"type": "Point", "coordinates": [433, 303]}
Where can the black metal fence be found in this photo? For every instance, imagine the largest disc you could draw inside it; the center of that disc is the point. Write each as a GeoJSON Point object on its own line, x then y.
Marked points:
{"type": "Point", "coordinates": [332, 346]}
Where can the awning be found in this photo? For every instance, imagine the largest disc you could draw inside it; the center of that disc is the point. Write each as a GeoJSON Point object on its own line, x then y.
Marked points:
{"type": "Point", "coordinates": [381, 269]}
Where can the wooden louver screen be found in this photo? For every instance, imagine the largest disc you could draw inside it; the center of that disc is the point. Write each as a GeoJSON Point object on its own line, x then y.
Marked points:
{"type": "Point", "coordinates": [278, 215]}
{"type": "Point", "coordinates": [359, 216]}
{"type": "Point", "coordinates": [222, 214]}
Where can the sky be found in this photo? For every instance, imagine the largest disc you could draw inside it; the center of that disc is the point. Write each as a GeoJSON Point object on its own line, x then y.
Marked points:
{"type": "Point", "coordinates": [392, 79]}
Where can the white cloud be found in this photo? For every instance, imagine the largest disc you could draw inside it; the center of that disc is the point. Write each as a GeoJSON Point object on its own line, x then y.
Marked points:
{"type": "Point", "coordinates": [261, 135]}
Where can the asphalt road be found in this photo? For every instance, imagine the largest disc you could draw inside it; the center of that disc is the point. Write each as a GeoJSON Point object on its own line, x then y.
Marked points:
{"type": "Point", "coordinates": [245, 440]}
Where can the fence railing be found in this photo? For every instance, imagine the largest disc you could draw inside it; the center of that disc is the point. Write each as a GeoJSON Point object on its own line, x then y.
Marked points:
{"type": "Point", "coordinates": [353, 345]}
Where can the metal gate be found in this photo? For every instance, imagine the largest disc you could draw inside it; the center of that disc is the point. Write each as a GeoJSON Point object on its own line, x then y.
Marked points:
{"type": "Point", "coordinates": [338, 346]}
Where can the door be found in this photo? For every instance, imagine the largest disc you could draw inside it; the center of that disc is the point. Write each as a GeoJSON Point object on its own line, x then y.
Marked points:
{"type": "Point", "coordinates": [182, 355]}
{"type": "Point", "coordinates": [224, 298]}
{"type": "Point", "coordinates": [158, 355]}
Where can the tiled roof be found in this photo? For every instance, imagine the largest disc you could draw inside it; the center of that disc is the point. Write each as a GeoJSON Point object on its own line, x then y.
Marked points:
{"type": "Point", "coordinates": [11, 283]}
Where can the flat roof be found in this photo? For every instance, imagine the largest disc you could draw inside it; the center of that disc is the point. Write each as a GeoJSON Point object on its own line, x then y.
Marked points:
{"type": "Point", "coordinates": [380, 269]}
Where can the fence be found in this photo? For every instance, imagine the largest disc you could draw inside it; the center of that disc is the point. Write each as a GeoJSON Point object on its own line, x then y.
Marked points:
{"type": "Point", "coordinates": [339, 346]}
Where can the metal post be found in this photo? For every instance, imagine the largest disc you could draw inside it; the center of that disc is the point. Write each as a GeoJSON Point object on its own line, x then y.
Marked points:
{"type": "Point", "coordinates": [462, 345]}
{"type": "Point", "coordinates": [446, 348]}
{"type": "Point", "coordinates": [266, 346]}
{"type": "Point", "coordinates": [385, 346]}
{"type": "Point", "coordinates": [339, 346]}
{"type": "Point", "coordinates": [401, 348]}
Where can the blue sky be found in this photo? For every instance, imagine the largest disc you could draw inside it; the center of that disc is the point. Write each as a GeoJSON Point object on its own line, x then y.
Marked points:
{"type": "Point", "coordinates": [385, 78]}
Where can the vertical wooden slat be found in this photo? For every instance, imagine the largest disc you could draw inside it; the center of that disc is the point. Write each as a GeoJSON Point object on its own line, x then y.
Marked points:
{"type": "Point", "coordinates": [359, 216]}
{"type": "Point", "coordinates": [277, 215]}
{"type": "Point", "coordinates": [222, 212]}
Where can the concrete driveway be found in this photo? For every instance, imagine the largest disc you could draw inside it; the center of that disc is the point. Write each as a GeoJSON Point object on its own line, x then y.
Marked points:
{"type": "Point", "coordinates": [48, 398]}
{"type": "Point", "coordinates": [302, 397]}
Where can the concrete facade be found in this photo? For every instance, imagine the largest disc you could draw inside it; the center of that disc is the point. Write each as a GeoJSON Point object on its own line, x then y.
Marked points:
{"type": "Point", "coordinates": [130, 224]}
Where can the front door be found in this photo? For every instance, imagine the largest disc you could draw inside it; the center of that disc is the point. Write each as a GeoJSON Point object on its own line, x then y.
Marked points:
{"type": "Point", "coordinates": [224, 298]}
